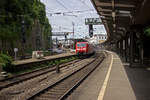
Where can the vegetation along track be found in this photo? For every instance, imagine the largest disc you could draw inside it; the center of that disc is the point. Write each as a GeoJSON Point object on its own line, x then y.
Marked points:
{"type": "Point", "coordinates": [26, 76]}
{"type": "Point", "coordinates": [61, 89]}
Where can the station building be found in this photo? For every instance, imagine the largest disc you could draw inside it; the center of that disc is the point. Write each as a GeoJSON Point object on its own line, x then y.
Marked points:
{"type": "Point", "coordinates": [98, 38]}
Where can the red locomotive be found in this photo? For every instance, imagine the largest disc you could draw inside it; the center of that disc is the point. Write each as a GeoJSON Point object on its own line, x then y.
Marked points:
{"type": "Point", "coordinates": [84, 48]}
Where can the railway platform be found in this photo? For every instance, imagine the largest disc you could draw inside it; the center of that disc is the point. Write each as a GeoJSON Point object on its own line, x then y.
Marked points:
{"type": "Point", "coordinates": [114, 80]}
{"type": "Point", "coordinates": [34, 60]}
{"type": "Point", "coordinates": [25, 61]}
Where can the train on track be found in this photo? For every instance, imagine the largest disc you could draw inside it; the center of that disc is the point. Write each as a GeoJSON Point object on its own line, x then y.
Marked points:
{"type": "Point", "coordinates": [84, 49]}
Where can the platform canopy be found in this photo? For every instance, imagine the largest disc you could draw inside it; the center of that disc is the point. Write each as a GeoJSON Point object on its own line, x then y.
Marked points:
{"type": "Point", "coordinates": [118, 15]}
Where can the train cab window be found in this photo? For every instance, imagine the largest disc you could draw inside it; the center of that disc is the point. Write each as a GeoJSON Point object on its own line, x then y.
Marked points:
{"type": "Point", "coordinates": [81, 45]}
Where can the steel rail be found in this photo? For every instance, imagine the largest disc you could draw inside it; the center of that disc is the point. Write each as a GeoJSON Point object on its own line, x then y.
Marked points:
{"type": "Point", "coordinates": [96, 60]}
{"type": "Point", "coordinates": [36, 72]}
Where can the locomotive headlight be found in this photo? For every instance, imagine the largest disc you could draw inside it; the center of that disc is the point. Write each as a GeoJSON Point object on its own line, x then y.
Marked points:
{"type": "Point", "coordinates": [78, 48]}
{"type": "Point", "coordinates": [84, 48]}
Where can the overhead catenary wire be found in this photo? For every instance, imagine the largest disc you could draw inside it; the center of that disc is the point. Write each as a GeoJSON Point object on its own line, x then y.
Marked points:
{"type": "Point", "coordinates": [78, 11]}
{"type": "Point", "coordinates": [67, 12]}
{"type": "Point", "coordinates": [61, 4]}
{"type": "Point", "coordinates": [85, 4]}
{"type": "Point", "coordinates": [70, 12]}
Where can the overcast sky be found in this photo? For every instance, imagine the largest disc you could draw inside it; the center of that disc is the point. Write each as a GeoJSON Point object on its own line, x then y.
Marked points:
{"type": "Point", "coordinates": [75, 11]}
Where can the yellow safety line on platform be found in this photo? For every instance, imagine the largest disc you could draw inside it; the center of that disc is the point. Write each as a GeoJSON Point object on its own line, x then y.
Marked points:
{"type": "Point", "coordinates": [103, 89]}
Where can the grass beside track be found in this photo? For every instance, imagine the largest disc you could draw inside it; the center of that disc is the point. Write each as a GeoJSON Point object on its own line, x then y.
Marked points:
{"type": "Point", "coordinates": [39, 66]}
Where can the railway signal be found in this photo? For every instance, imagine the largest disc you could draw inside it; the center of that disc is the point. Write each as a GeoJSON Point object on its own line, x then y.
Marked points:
{"type": "Point", "coordinates": [91, 22]}
{"type": "Point", "coordinates": [91, 30]}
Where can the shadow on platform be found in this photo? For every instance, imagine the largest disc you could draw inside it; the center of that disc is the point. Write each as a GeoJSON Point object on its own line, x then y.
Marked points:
{"type": "Point", "coordinates": [140, 81]}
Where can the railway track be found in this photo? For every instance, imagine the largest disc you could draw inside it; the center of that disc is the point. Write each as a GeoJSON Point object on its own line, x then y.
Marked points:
{"type": "Point", "coordinates": [19, 91]}
{"type": "Point", "coordinates": [62, 88]}
{"type": "Point", "coordinates": [26, 76]}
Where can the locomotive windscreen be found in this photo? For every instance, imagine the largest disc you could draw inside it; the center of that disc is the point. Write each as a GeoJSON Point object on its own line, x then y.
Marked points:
{"type": "Point", "coordinates": [81, 45]}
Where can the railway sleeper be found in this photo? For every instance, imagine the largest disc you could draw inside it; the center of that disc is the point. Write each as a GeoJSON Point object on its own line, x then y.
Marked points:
{"type": "Point", "coordinates": [50, 97]}
{"type": "Point", "coordinates": [61, 87]}
{"type": "Point", "coordinates": [53, 95]}
{"type": "Point", "coordinates": [41, 99]}
{"type": "Point", "coordinates": [46, 98]}
{"type": "Point", "coordinates": [56, 90]}
{"type": "Point", "coordinates": [56, 93]}
{"type": "Point", "coordinates": [64, 84]}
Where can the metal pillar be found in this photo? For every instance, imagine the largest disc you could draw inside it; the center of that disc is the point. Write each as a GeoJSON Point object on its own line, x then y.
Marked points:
{"type": "Point", "coordinates": [126, 48]}
{"type": "Point", "coordinates": [57, 68]}
{"type": "Point", "coordinates": [141, 54]}
{"type": "Point", "coordinates": [117, 47]}
{"type": "Point", "coordinates": [73, 35]}
{"type": "Point", "coordinates": [141, 49]}
{"type": "Point", "coordinates": [23, 39]}
{"type": "Point", "coordinates": [131, 48]}
{"type": "Point", "coordinates": [121, 47]}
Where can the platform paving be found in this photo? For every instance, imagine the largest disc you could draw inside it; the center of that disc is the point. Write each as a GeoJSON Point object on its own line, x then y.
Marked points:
{"type": "Point", "coordinates": [118, 85]}
{"type": "Point", "coordinates": [126, 83]}
{"type": "Point", "coordinates": [123, 83]}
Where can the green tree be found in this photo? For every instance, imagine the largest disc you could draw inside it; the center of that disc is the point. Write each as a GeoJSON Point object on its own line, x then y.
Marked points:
{"type": "Point", "coordinates": [13, 12]}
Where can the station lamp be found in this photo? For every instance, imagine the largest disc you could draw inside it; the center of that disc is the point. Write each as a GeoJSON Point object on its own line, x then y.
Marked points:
{"type": "Point", "coordinates": [113, 14]}
{"type": "Point", "coordinates": [102, 16]}
{"type": "Point", "coordinates": [114, 25]}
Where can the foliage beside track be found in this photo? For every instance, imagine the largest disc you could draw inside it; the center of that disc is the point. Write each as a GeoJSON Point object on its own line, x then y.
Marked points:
{"type": "Point", "coordinates": [147, 32]}
{"type": "Point", "coordinates": [6, 63]}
